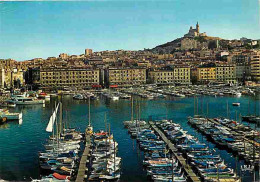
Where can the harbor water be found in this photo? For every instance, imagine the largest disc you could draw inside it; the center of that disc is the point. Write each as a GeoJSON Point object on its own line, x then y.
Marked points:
{"type": "Point", "coordinates": [20, 144]}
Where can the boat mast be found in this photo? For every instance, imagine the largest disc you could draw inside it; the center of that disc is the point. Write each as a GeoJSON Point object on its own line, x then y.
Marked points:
{"type": "Point", "coordinates": [201, 105]}
{"type": "Point", "coordinates": [172, 166]}
{"type": "Point", "coordinates": [57, 130]}
{"type": "Point", "coordinates": [109, 132]}
{"type": "Point", "coordinates": [207, 109]}
{"type": "Point", "coordinates": [106, 129]}
{"type": "Point", "coordinates": [52, 130]}
{"type": "Point", "coordinates": [89, 122]}
{"type": "Point", "coordinates": [248, 107]}
{"type": "Point", "coordinates": [207, 114]}
{"type": "Point", "coordinates": [197, 106]}
{"type": "Point", "coordinates": [132, 112]}
{"type": "Point", "coordinates": [52, 127]}
{"type": "Point", "coordinates": [114, 159]}
{"type": "Point", "coordinates": [217, 173]}
{"type": "Point", "coordinates": [227, 110]}
{"type": "Point", "coordinates": [66, 121]}
{"type": "Point", "coordinates": [105, 120]}
{"type": "Point", "coordinates": [194, 107]}
{"type": "Point", "coordinates": [60, 119]}
{"type": "Point", "coordinates": [136, 111]}
{"type": "Point", "coordinates": [166, 112]}
{"type": "Point", "coordinates": [139, 111]}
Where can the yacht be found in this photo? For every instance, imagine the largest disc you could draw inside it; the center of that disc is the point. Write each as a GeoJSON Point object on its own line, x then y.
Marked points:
{"type": "Point", "coordinates": [22, 100]}
{"type": "Point", "coordinates": [4, 113]}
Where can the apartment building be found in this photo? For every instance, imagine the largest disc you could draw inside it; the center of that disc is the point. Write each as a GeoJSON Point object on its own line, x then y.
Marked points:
{"type": "Point", "coordinates": [226, 73]}
{"type": "Point", "coordinates": [160, 76]}
{"type": "Point", "coordinates": [181, 74]}
{"type": "Point", "coordinates": [124, 77]}
{"type": "Point", "coordinates": [255, 66]}
{"type": "Point", "coordinates": [68, 77]}
{"type": "Point", "coordinates": [205, 74]}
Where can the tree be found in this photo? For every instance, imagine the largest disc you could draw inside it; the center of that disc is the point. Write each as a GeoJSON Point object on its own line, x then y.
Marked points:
{"type": "Point", "coordinates": [248, 46]}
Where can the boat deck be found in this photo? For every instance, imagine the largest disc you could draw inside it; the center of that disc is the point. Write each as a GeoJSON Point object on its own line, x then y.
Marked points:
{"type": "Point", "coordinates": [83, 160]}
{"type": "Point", "coordinates": [187, 168]}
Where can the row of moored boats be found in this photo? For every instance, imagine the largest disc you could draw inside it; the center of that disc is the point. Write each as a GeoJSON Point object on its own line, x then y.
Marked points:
{"type": "Point", "coordinates": [205, 162]}
{"type": "Point", "coordinates": [159, 164]}
{"type": "Point", "coordinates": [230, 135]}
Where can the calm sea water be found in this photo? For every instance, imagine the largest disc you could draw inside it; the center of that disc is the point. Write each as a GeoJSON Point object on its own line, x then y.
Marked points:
{"type": "Point", "coordinates": [19, 144]}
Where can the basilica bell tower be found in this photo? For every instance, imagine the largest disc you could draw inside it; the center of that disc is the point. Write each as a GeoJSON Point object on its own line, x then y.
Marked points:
{"type": "Point", "coordinates": [198, 27]}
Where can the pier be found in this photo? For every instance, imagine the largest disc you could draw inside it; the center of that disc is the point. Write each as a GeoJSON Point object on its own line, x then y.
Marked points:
{"type": "Point", "coordinates": [187, 168]}
{"type": "Point", "coordinates": [83, 160]}
{"type": "Point", "coordinates": [230, 129]}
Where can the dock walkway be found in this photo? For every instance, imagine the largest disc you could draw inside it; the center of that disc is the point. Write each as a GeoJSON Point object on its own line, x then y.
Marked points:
{"type": "Point", "coordinates": [83, 161]}
{"type": "Point", "coordinates": [187, 168]}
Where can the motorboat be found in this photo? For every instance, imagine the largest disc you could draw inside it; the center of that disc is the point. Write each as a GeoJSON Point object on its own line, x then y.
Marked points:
{"type": "Point", "coordinates": [236, 104]}
{"type": "Point", "coordinates": [4, 113]}
{"type": "Point", "coordinates": [44, 95]}
{"type": "Point", "coordinates": [23, 100]}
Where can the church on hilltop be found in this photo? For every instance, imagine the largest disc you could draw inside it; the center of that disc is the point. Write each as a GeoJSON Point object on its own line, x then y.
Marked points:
{"type": "Point", "coordinates": [195, 32]}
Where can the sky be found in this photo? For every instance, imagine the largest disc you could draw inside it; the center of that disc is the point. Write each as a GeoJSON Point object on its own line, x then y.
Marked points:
{"type": "Point", "coordinates": [42, 29]}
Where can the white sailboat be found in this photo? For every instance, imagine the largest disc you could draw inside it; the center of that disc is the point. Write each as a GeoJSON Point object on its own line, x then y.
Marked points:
{"type": "Point", "coordinates": [49, 127]}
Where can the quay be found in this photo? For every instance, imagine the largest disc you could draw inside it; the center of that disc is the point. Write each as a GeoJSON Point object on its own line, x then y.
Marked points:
{"type": "Point", "coordinates": [187, 168]}
{"type": "Point", "coordinates": [83, 160]}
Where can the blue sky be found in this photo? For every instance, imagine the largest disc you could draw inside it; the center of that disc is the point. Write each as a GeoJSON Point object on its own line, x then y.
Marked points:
{"type": "Point", "coordinates": [42, 29]}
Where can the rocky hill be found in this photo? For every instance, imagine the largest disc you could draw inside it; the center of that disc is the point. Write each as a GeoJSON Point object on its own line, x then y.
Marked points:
{"type": "Point", "coordinates": [167, 47]}
{"type": "Point", "coordinates": [170, 47]}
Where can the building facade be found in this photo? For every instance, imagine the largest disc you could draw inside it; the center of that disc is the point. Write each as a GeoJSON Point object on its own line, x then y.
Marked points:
{"type": "Point", "coordinates": [2, 78]}
{"type": "Point", "coordinates": [187, 44]}
{"type": "Point", "coordinates": [181, 74]}
{"type": "Point", "coordinates": [226, 73]}
{"type": "Point", "coordinates": [124, 77]}
{"type": "Point", "coordinates": [160, 76]}
{"type": "Point", "coordinates": [255, 66]}
{"type": "Point", "coordinates": [64, 56]}
{"type": "Point", "coordinates": [61, 78]}
{"type": "Point", "coordinates": [206, 74]}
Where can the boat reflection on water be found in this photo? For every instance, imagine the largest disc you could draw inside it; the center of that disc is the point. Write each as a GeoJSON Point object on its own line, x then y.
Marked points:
{"type": "Point", "coordinates": [4, 126]}
{"type": "Point", "coordinates": [9, 124]}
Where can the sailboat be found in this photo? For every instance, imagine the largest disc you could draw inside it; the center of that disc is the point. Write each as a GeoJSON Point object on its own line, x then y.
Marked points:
{"type": "Point", "coordinates": [60, 156]}
{"type": "Point", "coordinates": [89, 129]}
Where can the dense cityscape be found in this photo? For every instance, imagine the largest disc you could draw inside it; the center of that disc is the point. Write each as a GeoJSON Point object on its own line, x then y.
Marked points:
{"type": "Point", "coordinates": [195, 59]}
{"type": "Point", "coordinates": [187, 110]}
